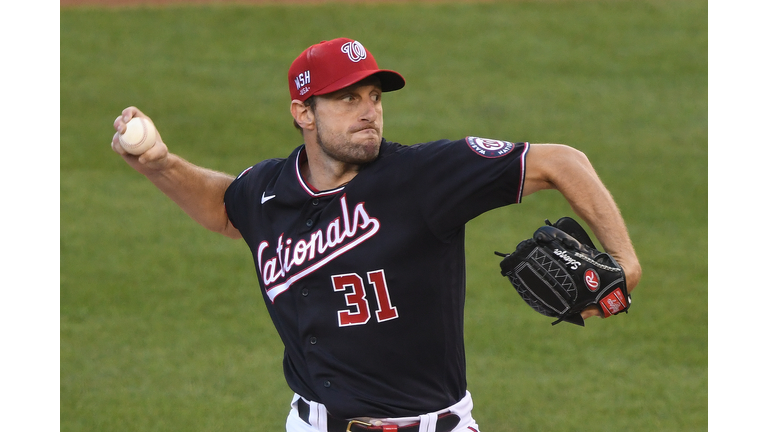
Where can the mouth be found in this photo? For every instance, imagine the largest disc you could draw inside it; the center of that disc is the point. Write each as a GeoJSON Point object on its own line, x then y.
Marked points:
{"type": "Point", "coordinates": [368, 134]}
{"type": "Point", "coordinates": [366, 129]}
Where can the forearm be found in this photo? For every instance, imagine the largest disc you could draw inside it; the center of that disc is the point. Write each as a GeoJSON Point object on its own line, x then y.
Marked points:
{"type": "Point", "coordinates": [570, 172]}
{"type": "Point", "coordinates": [198, 191]}
{"type": "Point", "coordinates": [602, 215]}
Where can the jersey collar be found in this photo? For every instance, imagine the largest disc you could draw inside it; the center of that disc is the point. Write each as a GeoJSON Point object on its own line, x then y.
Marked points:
{"type": "Point", "coordinates": [308, 188]}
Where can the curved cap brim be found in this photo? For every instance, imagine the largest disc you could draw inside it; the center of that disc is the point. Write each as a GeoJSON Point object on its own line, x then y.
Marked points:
{"type": "Point", "coordinates": [390, 81]}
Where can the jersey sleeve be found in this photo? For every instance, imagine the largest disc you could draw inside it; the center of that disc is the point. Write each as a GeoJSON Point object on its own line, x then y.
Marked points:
{"type": "Point", "coordinates": [459, 180]}
{"type": "Point", "coordinates": [235, 200]}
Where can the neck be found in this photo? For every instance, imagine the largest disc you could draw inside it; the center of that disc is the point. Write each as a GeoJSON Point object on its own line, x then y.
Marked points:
{"type": "Point", "coordinates": [323, 173]}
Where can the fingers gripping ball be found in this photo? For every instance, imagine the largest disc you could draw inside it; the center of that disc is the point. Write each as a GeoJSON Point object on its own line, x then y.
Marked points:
{"type": "Point", "coordinates": [139, 136]}
{"type": "Point", "coordinates": [559, 273]}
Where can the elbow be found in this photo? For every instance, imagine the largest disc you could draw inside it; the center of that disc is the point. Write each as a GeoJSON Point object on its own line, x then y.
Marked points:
{"type": "Point", "coordinates": [234, 235]}
{"type": "Point", "coordinates": [220, 225]}
{"type": "Point", "coordinates": [554, 166]}
{"type": "Point", "coordinates": [568, 167]}
{"type": "Point", "coordinates": [576, 155]}
{"type": "Point", "coordinates": [230, 231]}
{"type": "Point", "coordinates": [567, 163]}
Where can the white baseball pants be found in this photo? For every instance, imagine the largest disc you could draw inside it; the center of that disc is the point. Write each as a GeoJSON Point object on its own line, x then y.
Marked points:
{"type": "Point", "coordinates": [318, 416]}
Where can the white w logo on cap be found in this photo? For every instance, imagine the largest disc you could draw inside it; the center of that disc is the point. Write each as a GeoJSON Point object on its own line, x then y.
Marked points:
{"type": "Point", "coordinates": [354, 50]}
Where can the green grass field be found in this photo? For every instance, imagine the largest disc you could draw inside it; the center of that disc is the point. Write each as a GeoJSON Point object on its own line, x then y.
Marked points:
{"type": "Point", "coordinates": [162, 324]}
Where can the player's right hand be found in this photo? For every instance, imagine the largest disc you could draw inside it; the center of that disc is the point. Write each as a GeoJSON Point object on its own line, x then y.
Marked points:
{"type": "Point", "coordinates": [152, 160]}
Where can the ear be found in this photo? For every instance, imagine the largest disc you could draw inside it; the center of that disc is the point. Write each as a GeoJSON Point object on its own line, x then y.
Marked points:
{"type": "Point", "coordinates": [303, 115]}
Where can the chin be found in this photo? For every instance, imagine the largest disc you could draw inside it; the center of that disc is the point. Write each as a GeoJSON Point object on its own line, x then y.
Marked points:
{"type": "Point", "coordinates": [367, 151]}
{"type": "Point", "coordinates": [369, 156]}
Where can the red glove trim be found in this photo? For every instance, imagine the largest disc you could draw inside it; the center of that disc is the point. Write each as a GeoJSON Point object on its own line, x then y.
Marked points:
{"type": "Point", "coordinates": [613, 303]}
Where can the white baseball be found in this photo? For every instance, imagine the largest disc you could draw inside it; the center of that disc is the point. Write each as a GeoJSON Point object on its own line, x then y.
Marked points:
{"type": "Point", "coordinates": [140, 135]}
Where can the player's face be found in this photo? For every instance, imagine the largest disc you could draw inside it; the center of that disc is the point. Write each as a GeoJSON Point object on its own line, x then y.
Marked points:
{"type": "Point", "coordinates": [349, 122]}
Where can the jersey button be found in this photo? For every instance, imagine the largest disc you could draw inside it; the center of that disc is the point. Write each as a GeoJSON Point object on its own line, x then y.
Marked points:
{"type": "Point", "coordinates": [305, 292]}
{"type": "Point", "coordinates": [310, 222]}
{"type": "Point", "coordinates": [327, 384]}
{"type": "Point", "coordinates": [315, 202]}
{"type": "Point", "coordinates": [313, 340]}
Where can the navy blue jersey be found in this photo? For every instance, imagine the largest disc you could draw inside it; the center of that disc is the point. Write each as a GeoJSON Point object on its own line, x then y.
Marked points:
{"type": "Point", "coordinates": [365, 283]}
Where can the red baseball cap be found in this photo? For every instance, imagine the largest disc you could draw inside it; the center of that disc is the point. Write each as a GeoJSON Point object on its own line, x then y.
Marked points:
{"type": "Point", "coordinates": [332, 65]}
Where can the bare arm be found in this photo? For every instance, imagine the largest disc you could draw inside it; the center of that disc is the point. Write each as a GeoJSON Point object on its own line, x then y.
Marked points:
{"type": "Point", "coordinates": [554, 166]}
{"type": "Point", "coordinates": [198, 191]}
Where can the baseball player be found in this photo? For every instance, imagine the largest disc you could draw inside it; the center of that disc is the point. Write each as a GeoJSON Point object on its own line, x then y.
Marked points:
{"type": "Point", "coordinates": [358, 243]}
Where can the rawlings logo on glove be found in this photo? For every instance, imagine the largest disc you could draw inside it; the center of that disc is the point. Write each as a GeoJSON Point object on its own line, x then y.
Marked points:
{"type": "Point", "coordinates": [559, 272]}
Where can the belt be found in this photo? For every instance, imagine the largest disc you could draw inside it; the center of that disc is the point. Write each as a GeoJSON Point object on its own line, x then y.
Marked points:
{"type": "Point", "coordinates": [445, 423]}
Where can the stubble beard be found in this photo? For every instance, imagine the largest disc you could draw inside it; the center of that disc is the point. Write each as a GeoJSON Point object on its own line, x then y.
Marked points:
{"type": "Point", "coordinates": [337, 147]}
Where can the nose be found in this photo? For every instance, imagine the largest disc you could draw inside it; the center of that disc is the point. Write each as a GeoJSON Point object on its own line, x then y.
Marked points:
{"type": "Point", "coordinates": [370, 111]}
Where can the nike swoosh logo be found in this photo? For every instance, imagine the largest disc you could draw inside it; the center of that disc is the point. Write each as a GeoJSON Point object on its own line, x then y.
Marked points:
{"type": "Point", "coordinates": [265, 198]}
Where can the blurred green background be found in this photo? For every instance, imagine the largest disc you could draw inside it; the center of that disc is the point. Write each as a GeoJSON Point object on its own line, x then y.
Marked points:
{"type": "Point", "coordinates": [162, 324]}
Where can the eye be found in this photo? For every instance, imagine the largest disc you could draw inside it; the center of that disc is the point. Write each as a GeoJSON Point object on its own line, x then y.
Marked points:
{"type": "Point", "coordinates": [376, 96]}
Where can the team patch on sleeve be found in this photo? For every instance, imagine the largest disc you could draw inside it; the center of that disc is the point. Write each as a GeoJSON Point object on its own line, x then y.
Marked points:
{"type": "Point", "coordinates": [489, 148]}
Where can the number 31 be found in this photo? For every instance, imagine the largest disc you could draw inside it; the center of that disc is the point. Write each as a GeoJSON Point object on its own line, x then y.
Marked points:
{"type": "Point", "coordinates": [360, 312]}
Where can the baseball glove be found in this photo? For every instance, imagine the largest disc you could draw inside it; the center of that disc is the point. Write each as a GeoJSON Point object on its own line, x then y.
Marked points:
{"type": "Point", "coordinates": [559, 272]}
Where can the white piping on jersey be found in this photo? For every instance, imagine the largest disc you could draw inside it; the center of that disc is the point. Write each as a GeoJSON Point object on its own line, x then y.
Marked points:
{"type": "Point", "coordinates": [279, 266]}
{"type": "Point", "coordinates": [306, 187]}
{"type": "Point", "coordinates": [244, 171]}
{"type": "Point", "coordinates": [522, 172]}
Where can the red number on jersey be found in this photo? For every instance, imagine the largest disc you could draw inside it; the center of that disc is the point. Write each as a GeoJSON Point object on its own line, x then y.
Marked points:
{"type": "Point", "coordinates": [360, 312]}
{"type": "Point", "coordinates": [385, 312]}
{"type": "Point", "coordinates": [355, 299]}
